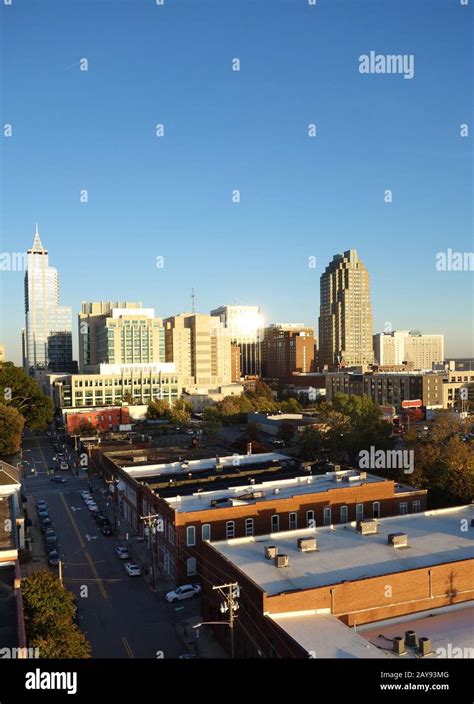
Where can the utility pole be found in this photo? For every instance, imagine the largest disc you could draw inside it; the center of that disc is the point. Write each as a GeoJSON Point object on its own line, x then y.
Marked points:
{"type": "Point", "coordinates": [115, 484]}
{"type": "Point", "coordinates": [60, 573]}
{"type": "Point", "coordinates": [150, 522]}
{"type": "Point", "coordinates": [230, 593]}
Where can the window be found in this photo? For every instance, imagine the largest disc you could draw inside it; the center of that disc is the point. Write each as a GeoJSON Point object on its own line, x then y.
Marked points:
{"type": "Point", "coordinates": [376, 509]}
{"type": "Point", "coordinates": [230, 529]}
{"type": "Point", "coordinates": [344, 514]}
{"type": "Point", "coordinates": [403, 507]}
{"type": "Point", "coordinates": [327, 516]}
{"type": "Point", "coordinates": [206, 531]}
{"type": "Point", "coordinates": [359, 512]}
{"type": "Point", "coordinates": [249, 526]}
{"type": "Point", "coordinates": [191, 566]}
{"type": "Point", "coordinates": [275, 523]}
{"type": "Point", "coordinates": [310, 522]}
{"type": "Point", "coordinates": [416, 506]}
{"type": "Point", "coordinates": [293, 520]}
{"type": "Point", "coordinates": [190, 535]}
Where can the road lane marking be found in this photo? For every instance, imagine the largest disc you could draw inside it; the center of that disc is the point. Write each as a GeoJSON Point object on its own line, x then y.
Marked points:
{"type": "Point", "coordinates": [74, 524]}
{"type": "Point", "coordinates": [46, 468]}
{"type": "Point", "coordinates": [127, 647]}
{"type": "Point", "coordinates": [96, 575]}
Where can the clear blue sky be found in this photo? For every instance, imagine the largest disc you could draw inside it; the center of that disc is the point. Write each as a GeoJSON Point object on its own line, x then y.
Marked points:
{"type": "Point", "coordinates": [247, 130]}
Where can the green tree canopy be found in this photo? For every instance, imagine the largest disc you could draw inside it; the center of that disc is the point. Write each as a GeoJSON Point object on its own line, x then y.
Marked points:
{"type": "Point", "coordinates": [11, 428]}
{"type": "Point", "coordinates": [23, 393]}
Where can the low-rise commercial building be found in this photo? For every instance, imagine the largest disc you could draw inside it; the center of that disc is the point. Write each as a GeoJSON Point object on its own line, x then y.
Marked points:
{"type": "Point", "coordinates": [292, 587]}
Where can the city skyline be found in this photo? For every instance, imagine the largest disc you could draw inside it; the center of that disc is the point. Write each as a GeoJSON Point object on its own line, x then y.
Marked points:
{"type": "Point", "coordinates": [136, 215]}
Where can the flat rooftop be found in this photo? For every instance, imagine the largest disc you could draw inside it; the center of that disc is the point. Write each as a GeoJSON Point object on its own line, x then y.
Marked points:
{"type": "Point", "coordinates": [343, 554]}
{"type": "Point", "coordinates": [325, 636]}
{"type": "Point", "coordinates": [6, 514]}
{"type": "Point", "coordinates": [447, 628]}
{"type": "Point", "coordinates": [278, 488]}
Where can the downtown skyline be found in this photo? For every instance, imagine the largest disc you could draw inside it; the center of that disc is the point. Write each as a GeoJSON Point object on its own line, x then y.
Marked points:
{"type": "Point", "coordinates": [302, 199]}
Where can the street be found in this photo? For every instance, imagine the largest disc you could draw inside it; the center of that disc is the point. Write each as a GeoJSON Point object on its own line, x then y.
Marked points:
{"type": "Point", "coordinates": [121, 617]}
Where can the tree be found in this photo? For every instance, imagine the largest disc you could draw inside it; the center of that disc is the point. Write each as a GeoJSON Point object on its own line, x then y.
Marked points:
{"type": "Point", "coordinates": [158, 410]}
{"type": "Point", "coordinates": [23, 393]}
{"type": "Point", "coordinates": [49, 612]}
{"type": "Point", "coordinates": [290, 405]}
{"type": "Point", "coordinates": [87, 428]}
{"type": "Point", "coordinates": [11, 428]}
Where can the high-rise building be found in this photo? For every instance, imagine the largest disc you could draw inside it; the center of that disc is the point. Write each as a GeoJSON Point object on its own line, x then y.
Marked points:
{"type": "Point", "coordinates": [287, 348]}
{"type": "Point", "coordinates": [402, 346]}
{"type": "Point", "coordinates": [48, 334]}
{"type": "Point", "coordinates": [345, 321]}
{"type": "Point", "coordinates": [199, 347]}
{"type": "Point", "coordinates": [119, 332]}
{"type": "Point", "coordinates": [244, 326]}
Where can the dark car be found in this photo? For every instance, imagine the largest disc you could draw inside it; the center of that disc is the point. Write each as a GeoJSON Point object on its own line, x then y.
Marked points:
{"type": "Point", "coordinates": [45, 524]}
{"type": "Point", "coordinates": [99, 516]}
{"type": "Point", "coordinates": [53, 558]}
{"type": "Point", "coordinates": [106, 530]}
{"type": "Point", "coordinates": [51, 547]}
{"type": "Point", "coordinates": [104, 521]}
{"type": "Point", "coordinates": [59, 480]}
{"type": "Point", "coordinates": [50, 535]}
{"type": "Point", "coordinates": [42, 514]}
{"type": "Point", "coordinates": [40, 504]}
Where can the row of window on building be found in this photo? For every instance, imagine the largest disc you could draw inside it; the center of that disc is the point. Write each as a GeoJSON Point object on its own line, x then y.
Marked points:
{"type": "Point", "coordinates": [293, 521]}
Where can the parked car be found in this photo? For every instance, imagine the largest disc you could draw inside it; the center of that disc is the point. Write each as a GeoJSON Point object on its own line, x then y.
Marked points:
{"type": "Point", "coordinates": [122, 552]}
{"type": "Point", "coordinates": [103, 521]}
{"type": "Point", "coordinates": [106, 530]}
{"type": "Point", "coordinates": [63, 466]}
{"type": "Point", "coordinates": [86, 495]}
{"type": "Point", "coordinates": [43, 514]}
{"type": "Point", "coordinates": [53, 558]}
{"type": "Point", "coordinates": [93, 508]}
{"type": "Point", "coordinates": [99, 516]}
{"type": "Point", "coordinates": [52, 546]}
{"type": "Point", "coordinates": [189, 431]}
{"type": "Point", "coordinates": [45, 524]}
{"type": "Point", "coordinates": [59, 480]}
{"type": "Point", "coordinates": [49, 535]}
{"type": "Point", "coordinates": [41, 502]}
{"type": "Point", "coordinates": [186, 591]}
{"type": "Point", "coordinates": [132, 569]}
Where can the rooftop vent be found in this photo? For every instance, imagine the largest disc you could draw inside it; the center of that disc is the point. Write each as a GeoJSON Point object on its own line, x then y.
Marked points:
{"type": "Point", "coordinates": [270, 552]}
{"type": "Point", "coordinates": [219, 502]}
{"type": "Point", "coordinates": [368, 526]}
{"type": "Point", "coordinates": [309, 544]}
{"type": "Point", "coordinates": [398, 540]}
{"type": "Point", "coordinates": [352, 477]}
{"type": "Point", "coordinates": [398, 645]}
{"type": "Point", "coordinates": [338, 477]}
{"type": "Point", "coordinates": [411, 639]}
{"type": "Point", "coordinates": [282, 560]}
{"type": "Point", "coordinates": [363, 475]}
{"type": "Point", "coordinates": [424, 647]}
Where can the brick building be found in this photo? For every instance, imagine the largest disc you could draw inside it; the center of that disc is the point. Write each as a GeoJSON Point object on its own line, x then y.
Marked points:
{"type": "Point", "coordinates": [349, 576]}
{"type": "Point", "coordinates": [106, 418]}
{"type": "Point", "coordinates": [287, 348]}
{"type": "Point", "coordinates": [247, 495]}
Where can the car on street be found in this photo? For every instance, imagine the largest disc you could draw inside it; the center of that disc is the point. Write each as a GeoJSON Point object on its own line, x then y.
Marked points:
{"type": "Point", "coordinates": [45, 524]}
{"type": "Point", "coordinates": [189, 431]}
{"type": "Point", "coordinates": [52, 546]}
{"type": "Point", "coordinates": [41, 505]}
{"type": "Point", "coordinates": [106, 530]}
{"type": "Point", "coordinates": [86, 495]}
{"type": "Point", "coordinates": [43, 514]}
{"type": "Point", "coordinates": [53, 558]}
{"type": "Point", "coordinates": [50, 534]}
{"type": "Point", "coordinates": [59, 480]}
{"type": "Point", "coordinates": [186, 591]}
{"type": "Point", "coordinates": [63, 466]}
{"type": "Point", "coordinates": [132, 569]}
{"type": "Point", "coordinates": [99, 516]}
{"type": "Point", "coordinates": [93, 508]}
{"type": "Point", "coordinates": [122, 552]}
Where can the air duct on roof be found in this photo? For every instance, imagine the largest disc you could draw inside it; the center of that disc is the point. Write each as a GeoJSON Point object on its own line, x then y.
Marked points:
{"type": "Point", "coordinates": [398, 540]}
{"type": "Point", "coordinates": [309, 544]}
{"type": "Point", "coordinates": [367, 526]}
{"type": "Point", "coordinates": [270, 552]}
{"type": "Point", "coordinates": [282, 560]}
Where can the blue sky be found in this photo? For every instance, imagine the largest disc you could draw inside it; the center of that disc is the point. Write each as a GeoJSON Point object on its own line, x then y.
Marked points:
{"type": "Point", "coordinates": [301, 197]}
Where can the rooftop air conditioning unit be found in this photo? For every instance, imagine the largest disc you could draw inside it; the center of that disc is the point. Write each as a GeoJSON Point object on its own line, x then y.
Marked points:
{"type": "Point", "coordinates": [338, 477]}
{"type": "Point", "coordinates": [337, 467]}
{"type": "Point", "coordinates": [398, 540]}
{"type": "Point", "coordinates": [307, 544]}
{"type": "Point", "coordinates": [363, 475]}
{"type": "Point", "coordinates": [282, 560]}
{"type": "Point", "coordinates": [367, 526]}
{"type": "Point", "coordinates": [270, 552]}
{"type": "Point", "coordinates": [424, 647]}
{"type": "Point", "coordinates": [398, 645]}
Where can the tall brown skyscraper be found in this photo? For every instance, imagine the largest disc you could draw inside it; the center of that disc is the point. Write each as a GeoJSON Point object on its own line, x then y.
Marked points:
{"type": "Point", "coordinates": [345, 320]}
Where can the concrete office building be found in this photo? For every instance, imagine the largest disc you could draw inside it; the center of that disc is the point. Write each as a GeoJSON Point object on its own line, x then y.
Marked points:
{"type": "Point", "coordinates": [47, 342]}
{"type": "Point", "coordinates": [119, 333]}
{"type": "Point", "coordinates": [345, 321]}
{"type": "Point", "coordinates": [244, 326]}
{"type": "Point", "coordinates": [287, 348]}
{"type": "Point", "coordinates": [408, 346]}
{"type": "Point", "coordinates": [200, 348]}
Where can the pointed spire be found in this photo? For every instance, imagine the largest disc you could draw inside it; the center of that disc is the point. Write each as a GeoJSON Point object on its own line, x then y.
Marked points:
{"type": "Point", "coordinates": [37, 244]}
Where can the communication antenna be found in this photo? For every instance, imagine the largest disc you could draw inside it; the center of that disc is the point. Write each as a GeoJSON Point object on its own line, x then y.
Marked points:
{"type": "Point", "coordinates": [192, 300]}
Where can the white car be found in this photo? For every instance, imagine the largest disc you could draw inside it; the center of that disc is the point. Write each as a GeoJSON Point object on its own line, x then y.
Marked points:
{"type": "Point", "coordinates": [86, 495]}
{"type": "Point", "coordinates": [132, 569]}
{"type": "Point", "coordinates": [64, 465]}
{"type": "Point", "coordinates": [92, 507]}
{"type": "Point", "coordinates": [186, 591]}
{"type": "Point", "coordinates": [122, 552]}
{"type": "Point", "coordinates": [189, 432]}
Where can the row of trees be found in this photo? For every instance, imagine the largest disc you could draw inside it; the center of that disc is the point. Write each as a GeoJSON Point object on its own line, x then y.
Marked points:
{"type": "Point", "coordinates": [21, 403]}
{"type": "Point", "coordinates": [179, 413]}
{"type": "Point", "coordinates": [233, 409]}
{"type": "Point", "coordinates": [50, 613]}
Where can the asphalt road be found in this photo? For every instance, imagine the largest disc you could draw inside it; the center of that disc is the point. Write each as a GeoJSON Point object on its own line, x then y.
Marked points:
{"type": "Point", "coordinates": [120, 615]}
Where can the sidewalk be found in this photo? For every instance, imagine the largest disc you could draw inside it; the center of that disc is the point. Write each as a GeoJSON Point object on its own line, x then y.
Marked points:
{"type": "Point", "coordinates": [35, 539]}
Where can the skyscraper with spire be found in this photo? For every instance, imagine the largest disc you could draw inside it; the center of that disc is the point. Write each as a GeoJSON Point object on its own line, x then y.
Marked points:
{"type": "Point", "coordinates": [345, 320]}
{"type": "Point", "coordinates": [48, 332]}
